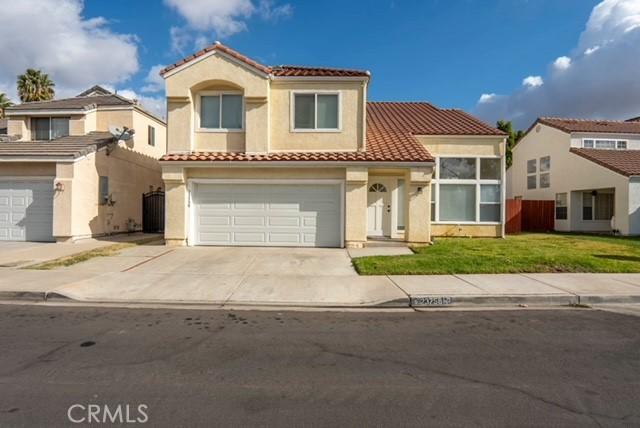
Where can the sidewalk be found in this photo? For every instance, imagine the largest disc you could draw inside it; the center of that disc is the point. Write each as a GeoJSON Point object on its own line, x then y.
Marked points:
{"type": "Point", "coordinates": [323, 291]}
{"type": "Point", "coordinates": [547, 289]}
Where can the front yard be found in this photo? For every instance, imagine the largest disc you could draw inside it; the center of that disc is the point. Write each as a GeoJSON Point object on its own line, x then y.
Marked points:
{"type": "Point", "coordinates": [515, 254]}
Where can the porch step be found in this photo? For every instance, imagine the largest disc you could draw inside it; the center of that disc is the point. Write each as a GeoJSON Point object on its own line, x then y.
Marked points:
{"type": "Point", "coordinates": [373, 243]}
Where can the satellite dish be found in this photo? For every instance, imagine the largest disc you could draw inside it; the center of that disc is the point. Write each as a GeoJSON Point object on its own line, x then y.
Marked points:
{"type": "Point", "coordinates": [121, 133]}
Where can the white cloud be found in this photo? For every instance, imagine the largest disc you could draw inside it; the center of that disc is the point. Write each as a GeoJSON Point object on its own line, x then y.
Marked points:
{"type": "Point", "coordinates": [152, 104]}
{"type": "Point", "coordinates": [222, 17]}
{"type": "Point", "coordinates": [601, 81]}
{"type": "Point", "coordinates": [154, 82]}
{"type": "Point", "coordinates": [52, 35]}
{"type": "Point", "coordinates": [225, 17]}
{"type": "Point", "coordinates": [532, 81]}
{"type": "Point", "coordinates": [589, 51]}
{"type": "Point", "coordinates": [562, 63]}
{"type": "Point", "coordinates": [486, 98]}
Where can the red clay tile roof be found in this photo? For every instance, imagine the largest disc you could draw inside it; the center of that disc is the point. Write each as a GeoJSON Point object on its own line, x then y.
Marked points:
{"type": "Point", "coordinates": [390, 137]}
{"type": "Point", "coordinates": [625, 162]}
{"type": "Point", "coordinates": [281, 70]}
{"type": "Point", "coordinates": [303, 71]}
{"type": "Point", "coordinates": [421, 118]}
{"type": "Point", "coordinates": [583, 125]}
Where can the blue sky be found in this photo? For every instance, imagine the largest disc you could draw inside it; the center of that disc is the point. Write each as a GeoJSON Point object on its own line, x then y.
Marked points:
{"type": "Point", "coordinates": [448, 52]}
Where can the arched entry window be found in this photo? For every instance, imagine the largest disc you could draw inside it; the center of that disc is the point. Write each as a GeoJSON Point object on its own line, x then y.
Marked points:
{"type": "Point", "coordinates": [377, 188]}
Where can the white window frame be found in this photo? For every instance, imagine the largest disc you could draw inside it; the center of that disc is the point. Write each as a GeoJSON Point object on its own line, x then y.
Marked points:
{"type": "Point", "coordinates": [198, 126]}
{"type": "Point", "coordinates": [532, 174]}
{"type": "Point", "coordinates": [478, 182]}
{"type": "Point", "coordinates": [565, 205]}
{"type": "Point", "coordinates": [292, 111]}
{"type": "Point", "coordinates": [615, 142]}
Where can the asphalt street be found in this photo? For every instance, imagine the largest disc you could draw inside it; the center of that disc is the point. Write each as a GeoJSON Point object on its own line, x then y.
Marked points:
{"type": "Point", "coordinates": [249, 368]}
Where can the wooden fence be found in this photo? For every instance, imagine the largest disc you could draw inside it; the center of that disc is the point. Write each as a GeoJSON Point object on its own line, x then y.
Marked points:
{"type": "Point", "coordinates": [529, 216]}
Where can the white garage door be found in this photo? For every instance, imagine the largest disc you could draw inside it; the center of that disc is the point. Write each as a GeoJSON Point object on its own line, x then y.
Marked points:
{"type": "Point", "coordinates": [26, 210]}
{"type": "Point", "coordinates": [298, 215]}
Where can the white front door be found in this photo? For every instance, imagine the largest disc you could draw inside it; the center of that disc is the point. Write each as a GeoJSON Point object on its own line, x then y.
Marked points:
{"type": "Point", "coordinates": [263, 214]}
{"type": "Point", "coordinates": [378, 208]}
{"type": "Point", "coordinates": [26, 210]}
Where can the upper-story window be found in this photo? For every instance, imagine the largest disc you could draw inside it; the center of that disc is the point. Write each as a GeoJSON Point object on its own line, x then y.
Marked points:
{"type": "Point", "coordinates": [589, 143]}
{"type": "Point", "coordinates": [49, 128]}
{"type": "Point", "coordinates": [220, 111]}
{"type": "Point", "coordinates": [316, 111]}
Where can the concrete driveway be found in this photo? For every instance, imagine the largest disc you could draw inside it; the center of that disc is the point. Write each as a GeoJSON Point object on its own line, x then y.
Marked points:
{"type": "Point", "coordinates": [230, 276]}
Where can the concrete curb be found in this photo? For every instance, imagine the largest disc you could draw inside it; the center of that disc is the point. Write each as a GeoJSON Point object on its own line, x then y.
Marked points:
{"type": "Point", "coordinates": [416, 302]}
{"type": "Point", "coordinates": [496, 300]}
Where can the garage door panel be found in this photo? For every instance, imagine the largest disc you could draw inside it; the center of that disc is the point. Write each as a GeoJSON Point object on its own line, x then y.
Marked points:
{"type": "Point", "coordinates": [267, 214]}
{"type": "Point", "coordinates": [26, 210]}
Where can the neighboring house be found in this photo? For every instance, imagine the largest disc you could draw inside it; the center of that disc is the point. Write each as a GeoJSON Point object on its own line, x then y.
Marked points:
{"type": "Point", "coordinates": [591, 168]}
{"type": "Point", "coordinates": [67, 177]}
{"type": "Point", "coordinates": [296, 156]}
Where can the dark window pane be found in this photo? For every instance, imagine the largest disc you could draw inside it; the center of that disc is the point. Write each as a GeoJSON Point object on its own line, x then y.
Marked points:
{"type": "Point", "coordinates": [59, 127]}
{"type": "Point", "coordinates": [304, 114]}
{"type": "Point", "coordinates": [232, 111]}
{"type": "Point", "coordinates": [327, 111]}
{"type": "Point", "coordinates": [587, 213]}
{"type": "Point", "coordinates": [490, 212]}
{"type": "Point", "coordinates": [458, 168]}
{"type": "Point", "coordinates": [561, 213]}
{"type": "Point", "coordinates": [210, 112]}
{"type": "Point", "coordinates": [531, 182]}
{"type": "Point", "coordinates": [40, 128]}
{"type": "Point", "coordinates": [490, 169]}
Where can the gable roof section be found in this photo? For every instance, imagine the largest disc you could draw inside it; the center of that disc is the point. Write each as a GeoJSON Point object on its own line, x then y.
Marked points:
{"type": "Point", "coordinates": [69, 148]}
{"type": "Point", "coordinates": [278, 71]}
{"type": "Point", "coordinates": [94, 90]}
{"type": "Point", "coordinates": [584, 125]}
{"type": "Point", "coordinates": [419, 118]}
{"type": "Point", "coordinates": [634, 119]}
{"type": "Point", "coordinates": [625, 162]}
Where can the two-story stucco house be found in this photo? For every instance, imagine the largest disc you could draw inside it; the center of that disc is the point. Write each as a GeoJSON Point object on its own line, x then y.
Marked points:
{"type": "Point", "coordinates": [64, 176]}
{"type": "Point", "coordinates": [591, 168]}
{"type": "Point", "coordinates": [297, 156]}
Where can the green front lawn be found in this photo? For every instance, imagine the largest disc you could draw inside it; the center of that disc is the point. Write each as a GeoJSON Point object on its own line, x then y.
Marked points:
{"type": "Point", "coordinates": [515, 254]}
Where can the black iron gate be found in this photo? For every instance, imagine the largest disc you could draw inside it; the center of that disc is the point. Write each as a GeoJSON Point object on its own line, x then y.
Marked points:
{"type": "Point", "coordinates": [153, 212]}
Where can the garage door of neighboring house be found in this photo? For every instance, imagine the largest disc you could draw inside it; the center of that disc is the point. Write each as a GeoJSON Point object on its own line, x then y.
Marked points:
{"type": "Point", "coordinates": [26, 210]}
{"type": "Point", "coordinates": [267, 214]}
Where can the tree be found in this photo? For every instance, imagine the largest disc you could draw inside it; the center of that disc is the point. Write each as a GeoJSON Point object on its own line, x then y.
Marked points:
{"type": "Point", "coordinates": [4, 103]}
{"type": "Point", "coordinates": [34, 85]}
{"type": "Point", "coordinates": [512, 139]}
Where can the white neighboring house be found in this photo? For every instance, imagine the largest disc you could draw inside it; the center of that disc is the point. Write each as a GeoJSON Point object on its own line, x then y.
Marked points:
{"type": "Point", "coordinates": [591, 168]}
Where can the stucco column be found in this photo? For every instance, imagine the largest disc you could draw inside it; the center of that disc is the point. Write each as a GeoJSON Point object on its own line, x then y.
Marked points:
{"type": "Point", "coordinates": [63, 203]}
{"type": "Point", "coordinates": [356, 207]}
{"type": "Point", "coordinates": [256, 125]}
{"type": "Point", "coordinates": [176, 206]}
{"type": "Point", "coordinates": [418, 199]}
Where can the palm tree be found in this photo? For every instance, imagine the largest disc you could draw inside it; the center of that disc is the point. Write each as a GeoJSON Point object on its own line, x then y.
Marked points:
{"type": "Point", "coordinates": [4, 103]}
{"type": "Point", "coordinates": [34, 85]}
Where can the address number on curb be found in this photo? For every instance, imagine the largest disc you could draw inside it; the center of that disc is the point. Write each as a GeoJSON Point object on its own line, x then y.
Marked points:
{"type": "Point", "coordinates": [431, 301]}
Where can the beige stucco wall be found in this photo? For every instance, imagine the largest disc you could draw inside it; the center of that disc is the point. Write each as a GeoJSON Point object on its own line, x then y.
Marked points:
{"type": "Point", "coordinates": [77, 212]}
{"type": "Point", "coordinates": [464, 230]}
{"type": "Point", "coordinates": [569, 172]}
{"type": "Point", "coordinates": [463, 145]}
{"type": "Point", "coordinates": [18, 125]}
{"type": "Point", "coordinates": [349, 137]}
{"type": "Point", "coordinates": [141, 123]}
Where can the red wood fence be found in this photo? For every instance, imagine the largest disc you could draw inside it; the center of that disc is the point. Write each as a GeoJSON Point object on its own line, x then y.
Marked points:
{"type": "Point", "coordinates": [529, 216]}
